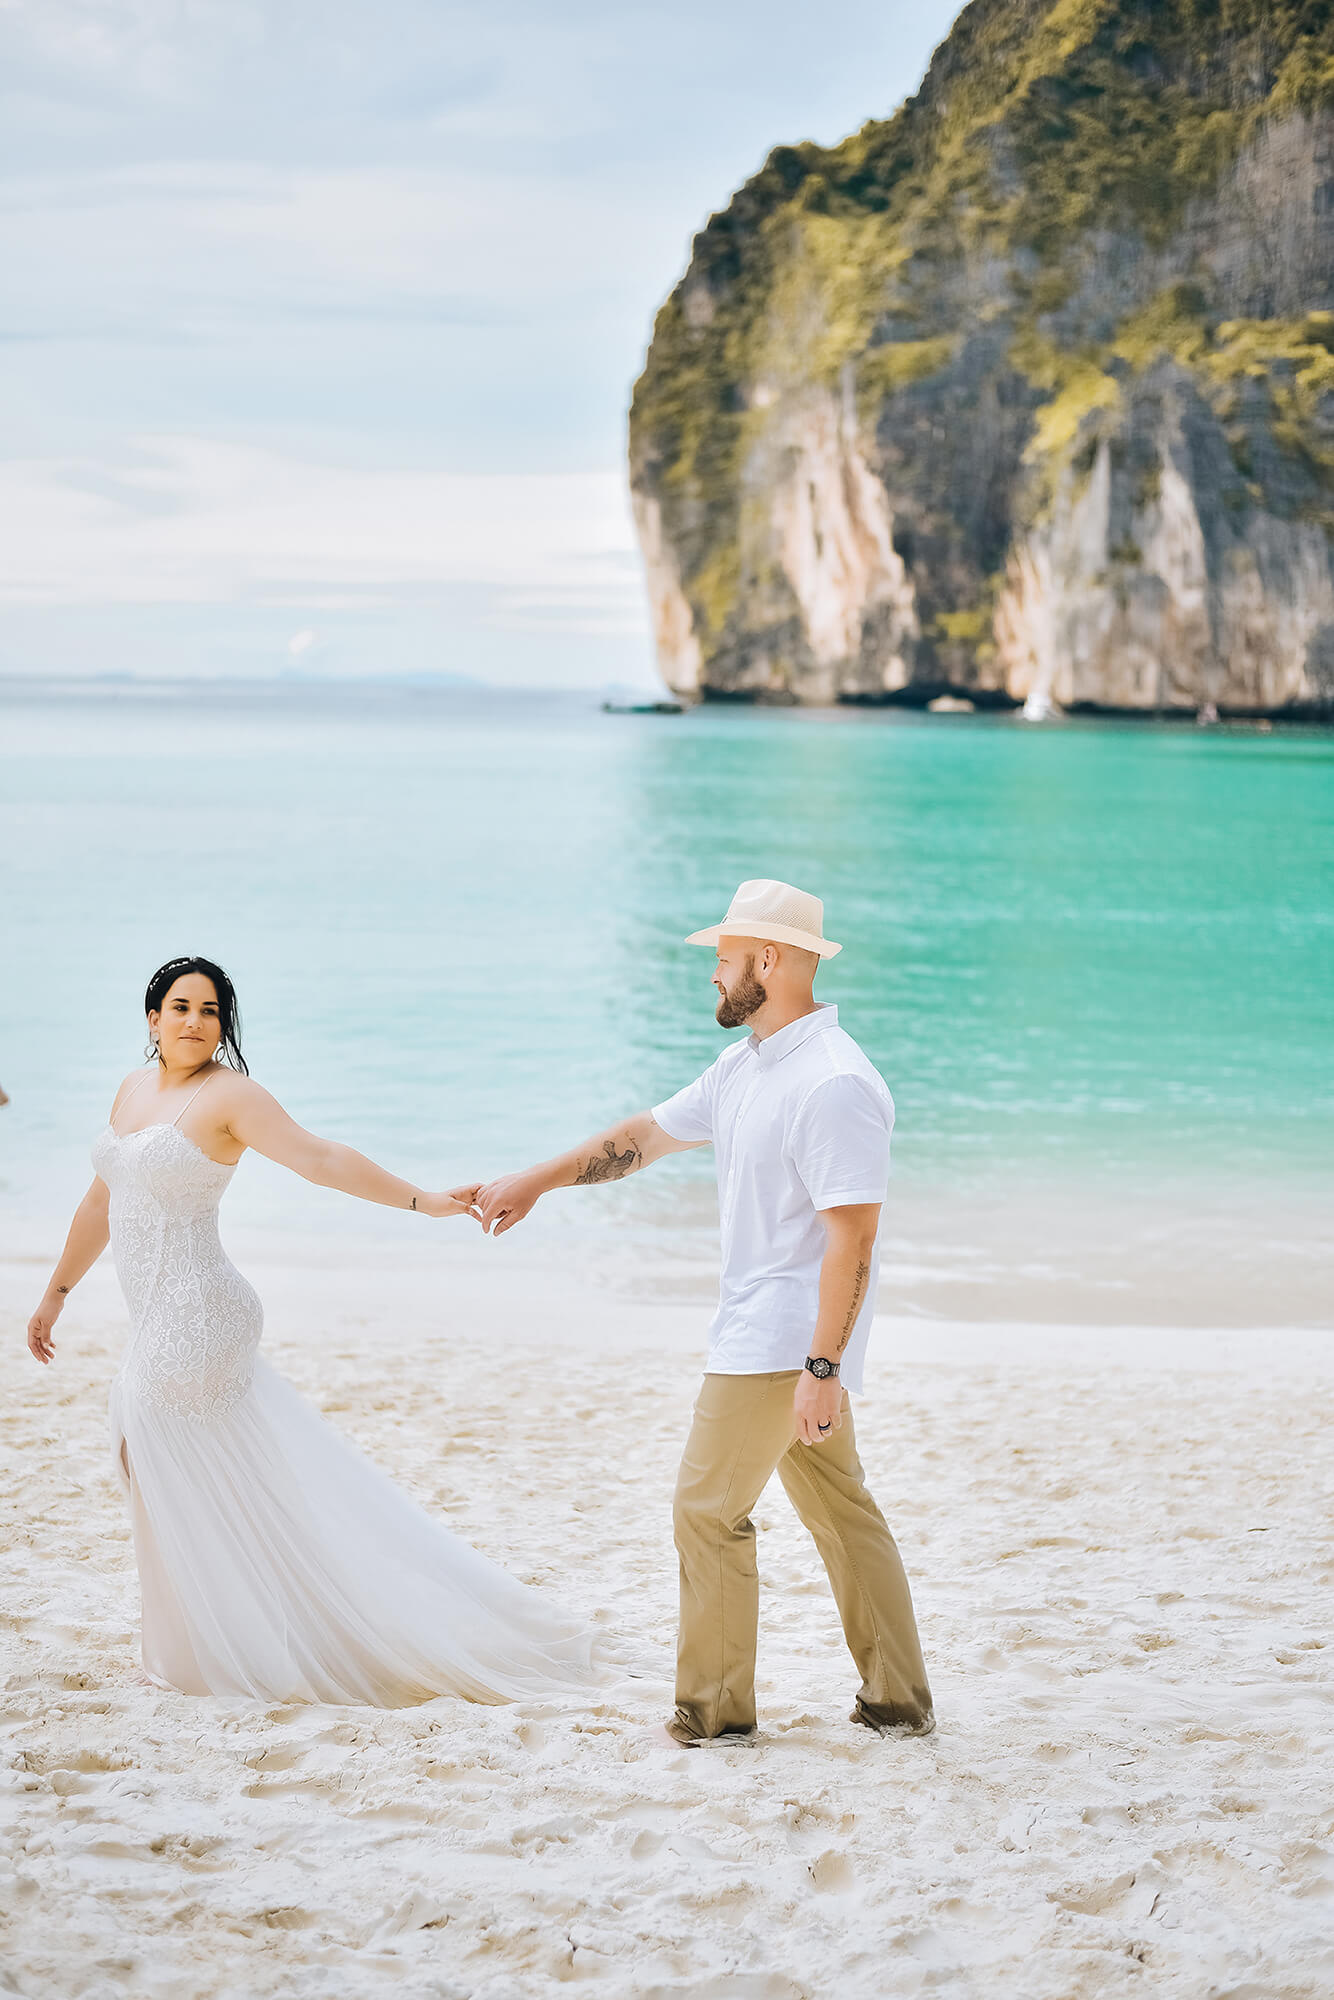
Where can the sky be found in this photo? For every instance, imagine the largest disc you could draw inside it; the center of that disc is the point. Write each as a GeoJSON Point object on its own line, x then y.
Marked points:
{"type": "Point", "coordinates": [319, 322]}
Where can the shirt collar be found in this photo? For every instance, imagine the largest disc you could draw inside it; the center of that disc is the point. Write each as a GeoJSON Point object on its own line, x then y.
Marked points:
{"type": "Point", "coordinates": [774, 1047]}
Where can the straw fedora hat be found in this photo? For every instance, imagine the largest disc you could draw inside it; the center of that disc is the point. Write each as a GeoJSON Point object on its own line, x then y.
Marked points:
{"type": "Point", "coordinates": [773, 912]}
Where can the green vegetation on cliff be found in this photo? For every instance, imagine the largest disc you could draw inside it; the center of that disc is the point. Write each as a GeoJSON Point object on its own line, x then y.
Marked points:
{"type": "Point", "coordinates": [1034, 231]}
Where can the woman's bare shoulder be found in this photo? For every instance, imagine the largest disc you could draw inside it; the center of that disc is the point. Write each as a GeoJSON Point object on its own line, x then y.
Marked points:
{"type": "Point", "coordinates": [126, 1088]}
{"type": "Point", "coordinates": [233, 1092]}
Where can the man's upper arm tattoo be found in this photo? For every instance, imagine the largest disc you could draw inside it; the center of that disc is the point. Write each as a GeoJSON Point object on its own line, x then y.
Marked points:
{"type": "Point", "coordinates": [609, 1165]}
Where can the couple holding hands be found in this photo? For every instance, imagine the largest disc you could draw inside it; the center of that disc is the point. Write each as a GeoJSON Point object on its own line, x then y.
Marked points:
{"type": "Point", "coordinates": [276, 1562]}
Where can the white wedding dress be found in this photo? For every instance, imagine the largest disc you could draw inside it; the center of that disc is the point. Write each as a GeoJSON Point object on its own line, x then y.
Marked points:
{"type": "Point", "coordinates": [274, 1559]}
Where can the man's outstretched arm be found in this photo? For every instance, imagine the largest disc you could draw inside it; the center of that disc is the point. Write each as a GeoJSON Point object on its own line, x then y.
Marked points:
{"type": "Point", "coordinates": [622, 1149]}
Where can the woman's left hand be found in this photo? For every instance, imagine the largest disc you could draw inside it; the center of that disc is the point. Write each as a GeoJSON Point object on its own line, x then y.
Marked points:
{"type": "Point", "coordinates": [40, 1343]}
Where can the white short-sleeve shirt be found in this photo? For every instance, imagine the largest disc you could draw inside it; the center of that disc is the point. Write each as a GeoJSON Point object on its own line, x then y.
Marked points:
{"type": "Point", "coordinates": [798, 1122]}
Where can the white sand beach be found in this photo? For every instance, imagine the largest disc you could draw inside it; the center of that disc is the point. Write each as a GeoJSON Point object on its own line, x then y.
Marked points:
{"type": "Point", "coordinates": [1121, 1552]}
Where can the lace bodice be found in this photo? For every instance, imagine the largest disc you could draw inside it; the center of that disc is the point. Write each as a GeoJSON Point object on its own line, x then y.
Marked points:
{"type": "Point", "coordinates": [195, 1322]}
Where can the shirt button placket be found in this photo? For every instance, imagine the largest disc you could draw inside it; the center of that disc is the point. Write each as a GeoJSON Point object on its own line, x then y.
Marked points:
{"type": "Point", "coordinates": [746, 1103]}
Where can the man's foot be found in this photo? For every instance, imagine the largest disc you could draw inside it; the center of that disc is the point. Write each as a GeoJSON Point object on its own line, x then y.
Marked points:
{"type": "Point", "coordinates": [682, 1737]}
{"type": "Point", "coordinates": [893, 1720]}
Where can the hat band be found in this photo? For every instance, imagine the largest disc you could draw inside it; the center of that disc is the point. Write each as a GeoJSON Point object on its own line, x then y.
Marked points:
{"type": "Point", "coordinates": [765, 933]}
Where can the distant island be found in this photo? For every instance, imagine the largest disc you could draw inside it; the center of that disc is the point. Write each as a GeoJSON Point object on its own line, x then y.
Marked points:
{"type": "Point", "coordinates": [1024, 394]}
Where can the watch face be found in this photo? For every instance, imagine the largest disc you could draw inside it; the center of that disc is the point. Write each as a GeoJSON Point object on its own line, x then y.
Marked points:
{"type": "Point", "coordinates": [821, 1368]}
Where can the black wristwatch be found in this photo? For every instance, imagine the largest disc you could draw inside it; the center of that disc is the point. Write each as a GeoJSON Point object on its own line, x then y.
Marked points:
{"type": "Point", "coordinates": [820, 1368]}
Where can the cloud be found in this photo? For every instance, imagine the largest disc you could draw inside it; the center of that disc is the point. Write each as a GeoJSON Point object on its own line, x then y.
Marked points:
{"type": "Point", "coordinates": [483, 320]}
{"type": "Point", "coordinates": [329, 81]}
{"type": "Point", "coordinates": [195, 520]}
{"type": "Point", "coordinates": [180, 245]}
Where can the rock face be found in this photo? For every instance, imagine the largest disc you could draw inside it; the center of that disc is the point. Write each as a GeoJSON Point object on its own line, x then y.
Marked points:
{"type": "Point", "coordinates": [1027, 390]}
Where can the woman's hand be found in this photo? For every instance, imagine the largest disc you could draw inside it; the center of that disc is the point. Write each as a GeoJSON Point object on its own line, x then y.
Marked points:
{"type": "Point", "coordinates": [459, 1201]}
{"type": "Point", "coordinates": [40, 1327]}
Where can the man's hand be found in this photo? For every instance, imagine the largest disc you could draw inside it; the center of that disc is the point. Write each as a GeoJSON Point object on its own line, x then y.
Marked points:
{"type": "Point", "coordinates": [504, 1202]}
{"type": "Point", "coordinates": [817, 1403]}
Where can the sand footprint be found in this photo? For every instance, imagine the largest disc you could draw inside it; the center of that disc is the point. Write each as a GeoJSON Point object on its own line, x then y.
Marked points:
{"type": "Point", "coordinates": [276, 1756]}
{"type": "Point", "coordinates": [832, 1873]}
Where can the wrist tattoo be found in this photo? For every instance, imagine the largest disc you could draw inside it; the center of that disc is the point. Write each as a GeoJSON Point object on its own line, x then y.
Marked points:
{"type": "Point", "coordinates": [63, 1291]}
{"type": "Point", "coordinates": [609, 1165]}
{"type": "Point", "coordinates": [413, 1202]}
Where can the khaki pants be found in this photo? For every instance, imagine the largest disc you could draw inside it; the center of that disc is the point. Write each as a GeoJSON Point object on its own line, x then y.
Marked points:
{"type": "Point", "coordinates": [743, 1430]}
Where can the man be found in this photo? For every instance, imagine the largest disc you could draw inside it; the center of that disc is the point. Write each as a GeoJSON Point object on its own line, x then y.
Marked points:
{"type": "Point", "coordinates": [800, 1124]}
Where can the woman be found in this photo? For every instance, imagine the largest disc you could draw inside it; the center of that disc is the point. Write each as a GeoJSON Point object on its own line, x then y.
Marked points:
{"type": "Point", "coordinates": [274, 1560]}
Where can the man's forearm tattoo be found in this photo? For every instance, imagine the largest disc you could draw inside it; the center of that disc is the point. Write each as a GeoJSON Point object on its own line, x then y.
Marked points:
{"type": "Point", "coordinates": [609, 1165]}
{"type": "Point", "coordinates": [858, 1292]}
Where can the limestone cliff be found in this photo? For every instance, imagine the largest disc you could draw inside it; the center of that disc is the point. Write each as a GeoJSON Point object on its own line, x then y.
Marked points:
{"type": "Point", "coordinates": [1028, 388]}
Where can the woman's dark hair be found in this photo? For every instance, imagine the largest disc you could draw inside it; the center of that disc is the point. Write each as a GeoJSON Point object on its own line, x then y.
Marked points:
{"type": "Point", "coordinates": [229, 1014]}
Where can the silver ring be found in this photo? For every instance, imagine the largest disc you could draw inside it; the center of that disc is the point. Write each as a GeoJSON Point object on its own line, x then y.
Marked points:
{"type": "Point", "coordinates": [824, 1427]}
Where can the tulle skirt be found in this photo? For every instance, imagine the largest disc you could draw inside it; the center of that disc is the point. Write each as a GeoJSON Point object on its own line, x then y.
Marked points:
{"type": "Point", "coordinates": [276, 1561]}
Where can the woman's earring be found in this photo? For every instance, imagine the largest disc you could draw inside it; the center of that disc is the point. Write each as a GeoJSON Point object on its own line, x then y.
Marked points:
{"type": "Point", "coordinates": [152, 1049]}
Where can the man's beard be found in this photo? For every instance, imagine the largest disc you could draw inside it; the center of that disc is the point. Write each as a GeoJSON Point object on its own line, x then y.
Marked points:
{"type": "Point", "coordinates": [739, 1002]}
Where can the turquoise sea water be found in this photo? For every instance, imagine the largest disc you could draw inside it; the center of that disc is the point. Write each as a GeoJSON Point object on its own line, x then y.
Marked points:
{"type": "Point", "coordinates": [1094, 961]}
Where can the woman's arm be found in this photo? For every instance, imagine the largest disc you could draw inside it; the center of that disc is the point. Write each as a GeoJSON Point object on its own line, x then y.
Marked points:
{"type": "Point", "coordinates": [85, 1243]}
{"type": "Point", "coordinates": [253, 1118]}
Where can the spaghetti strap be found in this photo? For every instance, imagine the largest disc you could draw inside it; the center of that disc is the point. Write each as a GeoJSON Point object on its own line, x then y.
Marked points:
{"type": "Point", "coordinates": [190, 1100]}
{"type": "Point", "coordinates": [133, 1088]}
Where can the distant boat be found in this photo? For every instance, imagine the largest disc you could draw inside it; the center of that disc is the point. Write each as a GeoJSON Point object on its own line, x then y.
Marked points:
{"type": "Point", "coordinates": [642, 708]}
{"type": "Point", "coordinates": [950, 704]}
{"type": "Point", "coordinates": [1039, 707]}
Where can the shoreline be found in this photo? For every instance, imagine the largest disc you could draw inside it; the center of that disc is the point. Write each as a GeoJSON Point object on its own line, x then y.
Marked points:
{"type": "Point", "coordinates": [1096, 1256]}
{"type": "Point", "coordinates": [988, 705]}
{"type": "Point", "coordinates": [530, 1309]}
